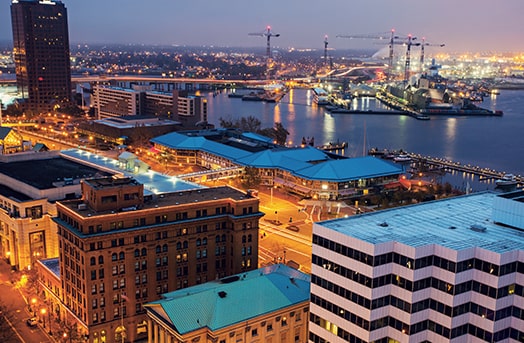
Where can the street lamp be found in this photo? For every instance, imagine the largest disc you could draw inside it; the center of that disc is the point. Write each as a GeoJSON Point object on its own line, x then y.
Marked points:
{"type": "Point", "coordinates": [43, 312]}
{"type": "Point", "coordinates": [33, 303]}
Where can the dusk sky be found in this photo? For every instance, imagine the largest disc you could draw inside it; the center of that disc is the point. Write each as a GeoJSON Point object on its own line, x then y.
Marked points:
{"type": "Point", "coordinates": [467, 25]}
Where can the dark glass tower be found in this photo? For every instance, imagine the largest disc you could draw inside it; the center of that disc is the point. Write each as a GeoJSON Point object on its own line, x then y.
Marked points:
{"type": "Point", "coordinates": [41, 53]}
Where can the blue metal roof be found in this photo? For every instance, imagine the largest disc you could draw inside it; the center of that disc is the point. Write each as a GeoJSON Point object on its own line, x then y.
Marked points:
{"type": "Point", "coordinates": [250, 294]}
{"type": "Point", "coordinates": [307, 162]}
{"type": "Point", "coordinates": [53, 265]}
{"type": "Point", "coordinates": [349, 169]}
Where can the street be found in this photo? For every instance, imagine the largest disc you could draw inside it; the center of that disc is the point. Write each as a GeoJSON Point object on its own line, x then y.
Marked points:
{"type": "Point", "coordinates": [16, 311]}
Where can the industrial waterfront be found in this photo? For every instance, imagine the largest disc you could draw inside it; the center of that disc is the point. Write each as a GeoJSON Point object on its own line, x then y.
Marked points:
{"type": "Point", "coordinates": [487, 142]}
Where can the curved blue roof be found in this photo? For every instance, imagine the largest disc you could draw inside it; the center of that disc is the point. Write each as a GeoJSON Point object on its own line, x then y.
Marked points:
{"type": "Point", "coordinates": [305, 162]}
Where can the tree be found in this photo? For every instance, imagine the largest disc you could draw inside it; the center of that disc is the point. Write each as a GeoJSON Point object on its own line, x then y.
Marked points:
{"type": "Point", "coordinates": [251, 178]}
{"type": "Point", "coordinates": [280, 134]}
{"type": "Point", "coordinates": [7, 335]}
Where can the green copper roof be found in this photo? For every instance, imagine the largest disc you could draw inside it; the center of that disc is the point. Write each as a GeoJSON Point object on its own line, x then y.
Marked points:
{"type": "Point", "coordinates": [221, 303]}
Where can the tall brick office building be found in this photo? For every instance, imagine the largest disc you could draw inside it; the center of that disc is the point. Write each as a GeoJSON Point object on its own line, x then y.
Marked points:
{"type": "Point", "coordinates": [121, 248]}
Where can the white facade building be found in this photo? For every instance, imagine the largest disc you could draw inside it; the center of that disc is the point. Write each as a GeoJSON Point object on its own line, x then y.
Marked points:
{"type": "Point", "coordinates": [442, 271]}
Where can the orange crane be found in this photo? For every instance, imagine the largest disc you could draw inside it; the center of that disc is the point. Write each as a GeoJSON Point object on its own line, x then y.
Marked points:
{"type": "Point", "coordinates": [267, 34]}
{"type": "Point", "coordinates": [380, 36]}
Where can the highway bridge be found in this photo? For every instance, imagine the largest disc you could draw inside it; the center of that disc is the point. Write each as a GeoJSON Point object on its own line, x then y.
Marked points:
{"type": "Point", "coordinates": [151, 78]}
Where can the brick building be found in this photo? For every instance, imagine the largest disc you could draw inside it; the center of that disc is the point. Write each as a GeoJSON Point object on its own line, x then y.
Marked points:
{"type": "Point", "coordinates": [121, 247]}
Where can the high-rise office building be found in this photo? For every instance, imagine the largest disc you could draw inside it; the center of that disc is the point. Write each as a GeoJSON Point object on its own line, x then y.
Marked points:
{"type": "Point", "coordinates": [41, 53]}
{"type": "Point", "coordinates": [442, 271]}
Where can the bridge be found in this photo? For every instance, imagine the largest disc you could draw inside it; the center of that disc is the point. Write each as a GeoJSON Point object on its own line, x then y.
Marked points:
{"type": "Point", "coordinates": [151, 78]}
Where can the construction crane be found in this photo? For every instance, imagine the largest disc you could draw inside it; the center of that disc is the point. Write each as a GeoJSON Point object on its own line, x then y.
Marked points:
{"type": "Point", "coordinates": [267, 34]}
{"type": "Point", "coordinates": [325, 49]}
{"type": "Point", "coordinates": [422, 45]}
{"type": "Point", "coordinates": [380, 36]}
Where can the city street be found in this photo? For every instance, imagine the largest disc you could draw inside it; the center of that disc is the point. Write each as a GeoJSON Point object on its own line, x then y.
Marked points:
{"type": "Point", "coordinates": [16, 310]}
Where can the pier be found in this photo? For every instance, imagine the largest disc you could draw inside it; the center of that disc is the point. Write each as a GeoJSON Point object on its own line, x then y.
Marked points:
{"type": "Point", "coordinates": [440, 164]}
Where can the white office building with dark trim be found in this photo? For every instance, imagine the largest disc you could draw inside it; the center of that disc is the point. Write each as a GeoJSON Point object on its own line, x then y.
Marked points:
{"type": "Point", "coordinates": [443, 271]}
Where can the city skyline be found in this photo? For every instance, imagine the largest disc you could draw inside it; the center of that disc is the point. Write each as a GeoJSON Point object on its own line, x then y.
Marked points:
{"type": "Point", "coordinates": [461, 26]}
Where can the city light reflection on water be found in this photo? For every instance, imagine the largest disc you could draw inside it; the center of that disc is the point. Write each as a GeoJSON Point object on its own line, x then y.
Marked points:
{"type": "Point", "coordinates": [485, 141]}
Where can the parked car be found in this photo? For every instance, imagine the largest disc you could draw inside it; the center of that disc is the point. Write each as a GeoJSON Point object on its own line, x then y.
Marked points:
{"type": "Point", "coordinates": [32, 321]}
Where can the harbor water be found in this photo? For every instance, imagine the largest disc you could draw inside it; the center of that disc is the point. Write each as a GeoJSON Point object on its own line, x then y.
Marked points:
{"type": "Point", "coordinates": [484, 141]}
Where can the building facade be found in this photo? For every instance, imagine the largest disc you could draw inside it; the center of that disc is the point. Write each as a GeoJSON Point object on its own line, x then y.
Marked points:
{"type": "Point", "coordinates": [140, 100]}
{"type": "Point", "coordinates": [270, 304]}
{"type": "Point", "coordinates": [443, 271]}
{"type": "Point", "coordinates": [121, 248]}
{"type": "Point", "coordinates": [27, 203]}
{"type": "Point", "coordinates": [41, 53]}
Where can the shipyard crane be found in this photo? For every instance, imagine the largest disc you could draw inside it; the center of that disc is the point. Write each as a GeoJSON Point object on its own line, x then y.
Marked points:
{"type": "Point", "coordinates": [267, 34]}
{"type": "Point", "coordinates": [408, 42]}
{"type": "Point", "coordinates": [325, 48]}
{"type": "Point", "coordinates": [424, 43]}
{"type": "Point", "coordinates": [380, 36]}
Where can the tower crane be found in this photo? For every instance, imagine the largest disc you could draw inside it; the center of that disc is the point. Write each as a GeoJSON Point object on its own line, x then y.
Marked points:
{"type": "Point", "coordinates": [325, 48]}
{"type": "Point", "coordinates": [424, 43]}
{"type": "Point", "coordinates": [380, 36]}
{"type": "Point", "coordinates": [267, 34]}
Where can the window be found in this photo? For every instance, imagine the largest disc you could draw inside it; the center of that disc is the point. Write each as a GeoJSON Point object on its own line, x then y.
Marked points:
{"type": "Point", "coordinates": [93, 289]}
{"type": "Point", "coordinates": [121, 255]}
{"type": "Point", "coordinates": [100, 259]}
{"type": "Point", "coordinates": [254, 333]}
{"type": "Point", "coordinates": [95, 303]}
{"type": "Point", "coordinates": [92, 261]}
{"type": "Point", "coordinates": [283, 322]}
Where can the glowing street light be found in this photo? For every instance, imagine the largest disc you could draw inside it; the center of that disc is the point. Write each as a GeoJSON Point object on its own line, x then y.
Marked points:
{"type": "Point", "coordinates": [43, 312]}
{"type": "Point", "coordinates": [33, 303]}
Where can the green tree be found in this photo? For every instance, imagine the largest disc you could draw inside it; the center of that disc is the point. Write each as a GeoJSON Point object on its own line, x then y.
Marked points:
{"type": "Point", "coordinates": [6, 318]}
{"type": "Point", "coordinates": [251, 178]}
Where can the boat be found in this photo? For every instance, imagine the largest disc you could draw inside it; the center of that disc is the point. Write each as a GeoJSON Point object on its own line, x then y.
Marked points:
{"type": "Point", "coordinates": [402, 158]}
{"type": "Point", "coordinates": [320, 97]}
{"type": "Point", "coordinates": [506, 180]}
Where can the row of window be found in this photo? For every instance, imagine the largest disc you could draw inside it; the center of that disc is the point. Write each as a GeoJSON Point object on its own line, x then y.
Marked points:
{"type": "Point", "coordinates": [421, 326]}
{"type": "Point", "coordinates": [413, 286]}
{"type": "Point", "coordinates": [432, 260]}
{"type": "Point", "coordinates": [418, 306]}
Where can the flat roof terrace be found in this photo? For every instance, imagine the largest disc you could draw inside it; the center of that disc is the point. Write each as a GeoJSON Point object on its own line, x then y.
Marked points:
{"type": "Point", "coordinates": [168, 199]}
{"type": "Point", "coordinates": [456, 223]}
{"type": "Point", "coordinates": [41, 174]}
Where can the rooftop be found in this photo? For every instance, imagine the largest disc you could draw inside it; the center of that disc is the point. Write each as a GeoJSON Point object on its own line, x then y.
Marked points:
{"type": "Point", "coordinates": [250, 294]}
{"type": "Point", "coordinates": [52, 264]}
{"type": "Point", "coordinates": [41, 174]}
{"type": "Point", "coordinates": [154, 182]}
{"type": "Point", "coordinates": [12, 194]}
{"type": "Point", "coordinates": [169, 199]}
{"type": "Point", "coordinates": [456, 223]}
{"type": "Point", "coordinates": [253, 150]}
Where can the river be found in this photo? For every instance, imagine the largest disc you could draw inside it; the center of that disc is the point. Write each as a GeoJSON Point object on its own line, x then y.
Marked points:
{"type": "Point", "coordinates": [485, 141]}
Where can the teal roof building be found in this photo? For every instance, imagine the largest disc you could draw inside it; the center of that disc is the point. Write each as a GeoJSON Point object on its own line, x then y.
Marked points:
{"type": "Point", "coordinates": [304, 170]}
{"type": "Point", "coordinates": [259, 303]}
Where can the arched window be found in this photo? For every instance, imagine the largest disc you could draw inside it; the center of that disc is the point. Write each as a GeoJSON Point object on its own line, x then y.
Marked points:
{"type": "Point", "coordinates": [164, 248]}
{"type": "Point", "coordinates": [185, 244]}
{"type": "Point", "coordinates": [114, 256]}
{"type": "Point", "coordinates": [121, 255]}
{"type": "Point", "coordinates": [93, 261]}
{"type": "Point", "coordinates": [198, 242]}
{"type": "Point", "coordinates": [100, 259]}
{"type": "Point", "coordinates": [244, 239]}
{"type": "Point", "coordinates": [144, 252]}
{"type": "Point", "coordinates": [223, 238]}
{"type": "Point", "coordinates": [249, 238]}
{"type": "Point", "coordinates": [137, 253]}
{"type": "Point", "coordinates": [178, 245]}
{"type": "Point", "coordinates": [158, 249]}
{"type": "Point", "coordinates": [217, 238]}
{"type": "Point", "coordinates": [204, 241]}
